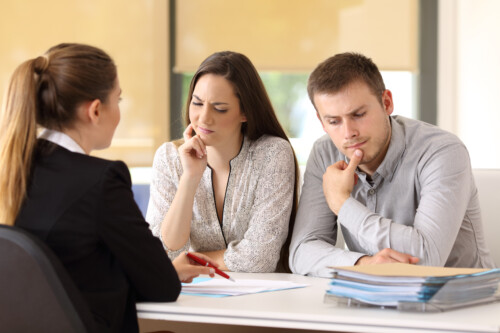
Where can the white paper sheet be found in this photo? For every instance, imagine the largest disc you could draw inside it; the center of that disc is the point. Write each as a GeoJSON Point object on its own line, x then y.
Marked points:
{"type": "Point", "coordinates": [239, 287]}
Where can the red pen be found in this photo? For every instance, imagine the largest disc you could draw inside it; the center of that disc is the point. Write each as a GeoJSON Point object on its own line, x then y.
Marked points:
{"type": "Point", "coordinates": [206, 263]}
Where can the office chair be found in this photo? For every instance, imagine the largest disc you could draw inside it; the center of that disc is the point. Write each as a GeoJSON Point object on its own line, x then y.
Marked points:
{"type": "Point", "coordinates": [36, 292]}
{"type": "Point", "coordinates": [141, 196]}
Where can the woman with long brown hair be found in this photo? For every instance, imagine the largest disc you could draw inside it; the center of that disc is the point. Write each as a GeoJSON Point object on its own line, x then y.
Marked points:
{"type": "Point", "coordinates": [81, 206]}
{"type": "Point", "coordinates": [229, 188]}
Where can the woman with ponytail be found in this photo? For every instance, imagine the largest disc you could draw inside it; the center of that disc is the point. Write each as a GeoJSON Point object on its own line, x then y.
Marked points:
{"type": "Point", "coordinates": [82, 207]}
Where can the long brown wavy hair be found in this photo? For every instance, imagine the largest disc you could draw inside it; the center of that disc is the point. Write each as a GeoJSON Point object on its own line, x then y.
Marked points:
{"type": "Point", "coordinates": [256, 105]}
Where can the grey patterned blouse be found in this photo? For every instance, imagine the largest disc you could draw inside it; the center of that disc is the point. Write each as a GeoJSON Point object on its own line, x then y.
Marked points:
{"type": "Point", "coordinates": [257, 204]}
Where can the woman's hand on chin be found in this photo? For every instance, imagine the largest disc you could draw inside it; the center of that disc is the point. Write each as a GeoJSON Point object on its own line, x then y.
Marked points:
{"type": "Point", "coordinates": [193, 154]}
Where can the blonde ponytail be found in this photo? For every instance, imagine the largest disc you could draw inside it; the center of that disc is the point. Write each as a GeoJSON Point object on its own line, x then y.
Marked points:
{"type": "Point", "coordinates": [17, 140]}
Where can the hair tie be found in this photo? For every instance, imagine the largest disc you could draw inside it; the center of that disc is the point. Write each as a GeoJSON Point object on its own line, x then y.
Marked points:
{"type": "Point", "coordinates": [41, 63]}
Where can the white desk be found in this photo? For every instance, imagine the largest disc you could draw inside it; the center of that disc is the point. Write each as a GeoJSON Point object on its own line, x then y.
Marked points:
{"type": "Point", "coordinates": [304, 308]}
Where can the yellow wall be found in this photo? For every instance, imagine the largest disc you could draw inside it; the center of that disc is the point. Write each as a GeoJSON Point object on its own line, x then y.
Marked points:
{"type": "Point", "coordinates": [289, 35]}
{"type": "Point", "coordinates": [134, 33]}
{"type": "Point", "coordinates": [298, 34]}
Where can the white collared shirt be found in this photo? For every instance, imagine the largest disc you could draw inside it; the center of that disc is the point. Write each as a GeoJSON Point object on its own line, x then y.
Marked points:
{"type": "Point", "coordinates": [61, 139]}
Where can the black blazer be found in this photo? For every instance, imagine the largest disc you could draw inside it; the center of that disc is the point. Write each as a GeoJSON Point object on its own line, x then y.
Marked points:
{"type": "Point", "coordinates": [83, 208]}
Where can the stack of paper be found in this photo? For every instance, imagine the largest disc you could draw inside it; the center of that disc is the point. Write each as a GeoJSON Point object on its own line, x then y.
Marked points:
{"type": "Point", "coordinates": [223, 287]}
{"type": "Point", "coordinates": [409, 286]}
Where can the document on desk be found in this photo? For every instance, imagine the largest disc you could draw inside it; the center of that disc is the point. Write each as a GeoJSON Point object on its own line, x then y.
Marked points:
{"type": "Point", "coordinates": [222, 287]}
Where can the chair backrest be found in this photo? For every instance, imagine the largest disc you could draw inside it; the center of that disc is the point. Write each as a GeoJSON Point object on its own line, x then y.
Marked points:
{"type": "Point", "coordinates": [488, 183]}
{"type": "Point", "coordinates": [141, 196]}
{"type": "Point", "coordinates": [36, 292]}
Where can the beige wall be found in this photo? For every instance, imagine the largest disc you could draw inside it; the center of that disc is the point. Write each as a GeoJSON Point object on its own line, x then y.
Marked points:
{"type": "Point", "coordinates": [297, 34]}
{"type": "Point", "coordinates": [134, 33]}
{"type": "Point", "coordinates": [290, 35]}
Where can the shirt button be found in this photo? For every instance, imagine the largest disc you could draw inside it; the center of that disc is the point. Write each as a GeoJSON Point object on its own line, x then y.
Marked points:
{"type": "Point", "coordinates": [371, 192]}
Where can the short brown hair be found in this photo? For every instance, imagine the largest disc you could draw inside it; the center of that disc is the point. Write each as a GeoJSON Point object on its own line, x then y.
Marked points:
{"type": "Point", "coordinates": [337, 72]}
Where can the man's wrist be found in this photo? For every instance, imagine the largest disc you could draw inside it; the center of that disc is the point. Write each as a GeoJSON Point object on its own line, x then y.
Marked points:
{"type": "Point", "coordinates": [339, 204]}
{"type": "Point", "coordinates": [362, 260]}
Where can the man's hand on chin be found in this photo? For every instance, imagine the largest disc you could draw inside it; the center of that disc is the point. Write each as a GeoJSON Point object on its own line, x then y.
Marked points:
{"type": "Point", "coordinates": [339, 180]}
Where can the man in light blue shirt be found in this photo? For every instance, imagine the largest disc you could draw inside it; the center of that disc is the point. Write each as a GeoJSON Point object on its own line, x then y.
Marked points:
{"type": "Point", "coordinates": [401, 190]}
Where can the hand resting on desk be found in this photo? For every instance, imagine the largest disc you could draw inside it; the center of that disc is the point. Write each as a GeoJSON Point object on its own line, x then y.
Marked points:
{"type": "Point", "coordinates": [387, 256]}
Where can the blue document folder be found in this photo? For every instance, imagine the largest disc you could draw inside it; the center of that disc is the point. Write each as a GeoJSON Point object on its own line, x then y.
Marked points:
{"type": "Point", "coordinates": [412, 287]}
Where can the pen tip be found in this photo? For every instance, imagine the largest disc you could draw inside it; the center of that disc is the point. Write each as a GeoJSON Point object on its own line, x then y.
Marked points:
{"type": "Point", "coordinates": [230, 278]}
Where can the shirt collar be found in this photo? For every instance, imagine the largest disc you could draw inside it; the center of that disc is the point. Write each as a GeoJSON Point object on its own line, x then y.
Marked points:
{"type": "Point", "coordinates": [397, 147]}
{"type": "Point", "coordinates": [392, 159]}
{"type": "Point", "coordinates": [61, 139]}
{"type": "Point", "coordinates": [242, 153]}
{"type": "Point", "coordinates": [245, 145]}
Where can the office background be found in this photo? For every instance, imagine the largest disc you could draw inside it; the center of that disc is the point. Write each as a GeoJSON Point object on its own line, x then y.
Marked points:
{"type": "Point", "coordinates": [439, 57]}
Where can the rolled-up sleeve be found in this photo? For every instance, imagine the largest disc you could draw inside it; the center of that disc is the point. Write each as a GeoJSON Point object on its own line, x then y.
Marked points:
{"type": "Point", "coordinates": [444, 185]}
{"type": "Point", "coordinates": [313, 249]}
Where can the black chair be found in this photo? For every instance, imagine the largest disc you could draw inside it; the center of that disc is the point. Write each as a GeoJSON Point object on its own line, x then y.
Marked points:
{"type": "Point", "coordinates": [36, 292]}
